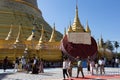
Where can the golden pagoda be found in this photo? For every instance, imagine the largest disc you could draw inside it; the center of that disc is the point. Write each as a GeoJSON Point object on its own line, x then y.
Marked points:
{"type": "Point", "coordinates": [22, 27]}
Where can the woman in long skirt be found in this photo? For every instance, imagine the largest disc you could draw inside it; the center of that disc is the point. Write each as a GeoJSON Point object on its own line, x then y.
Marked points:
{"type": "Point", "coordinates": [41, 70]}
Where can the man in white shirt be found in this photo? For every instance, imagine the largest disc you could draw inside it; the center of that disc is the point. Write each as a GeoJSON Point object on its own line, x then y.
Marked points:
{"type": "Point", "coordinates": [117, 62]}
{"type": "Point", "coordinates": [65, 67]}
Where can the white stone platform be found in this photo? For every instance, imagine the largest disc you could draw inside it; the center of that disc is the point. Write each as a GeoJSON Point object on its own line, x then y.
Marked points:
{"type": "Point", "coordinates": [49, 74]}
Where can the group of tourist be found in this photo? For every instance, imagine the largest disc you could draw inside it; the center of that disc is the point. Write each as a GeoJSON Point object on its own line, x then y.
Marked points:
{"type": "Point", "coordinates": [21, 64]}
{"type": "Point", "coordinates": [68, 65]}
{"type": "Point", "coordinates": [99, 64]}
{"type": "Point", "coordinates": [115, 62]}
{"type": "Point", "coordinates": [5, 63]}
{"type": "Point", "coordinates": [35, 65]}
{"type": "Point", "coordinates": [95, 64]}
{"type": "Point", "coordinates": [92, 64]}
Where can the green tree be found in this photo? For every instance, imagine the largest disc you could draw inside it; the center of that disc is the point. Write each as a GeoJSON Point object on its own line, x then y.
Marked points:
{"type": "Point", "coordinates": [109, 45]}
{"type": "Point", "coordinates": [116, 45]}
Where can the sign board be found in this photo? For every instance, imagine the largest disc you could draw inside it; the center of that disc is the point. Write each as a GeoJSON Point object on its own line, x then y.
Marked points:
{"type": "Point", "coordinates": [79, 38]}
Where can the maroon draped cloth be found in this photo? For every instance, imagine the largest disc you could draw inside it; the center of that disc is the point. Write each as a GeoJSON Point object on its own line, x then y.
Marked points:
{"type": "Point", "coordinates": [82, 50]}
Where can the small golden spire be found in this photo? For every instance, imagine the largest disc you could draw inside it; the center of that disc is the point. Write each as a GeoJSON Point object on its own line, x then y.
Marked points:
{"type": "Point", "coordinates": [101, 42]}
{"type": "Point", "coordinates": [18, 36]}
{"type": "Point", "coordinates": [9, 34]}
{"type": "Point", "coordinates": [31, 37]}
{"type": "Point", "coordinates": [53, 35]}
{"type": "Point", "coordinates": [41, 40]}
{"type": "Point", "coordinates": [77, 27]}
{"type": "Point", "coordinates": [87, 28]}
{"type": "Point", "coordinates": [98, 44]}
{"type": "Point", "coordinates": [70, 28]}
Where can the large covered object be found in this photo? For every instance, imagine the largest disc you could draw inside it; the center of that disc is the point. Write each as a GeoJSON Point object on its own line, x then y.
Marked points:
{"type": "Point", "coordinates": [81, 50]}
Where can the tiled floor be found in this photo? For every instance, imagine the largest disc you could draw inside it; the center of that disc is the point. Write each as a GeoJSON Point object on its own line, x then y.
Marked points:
{"type": "Point", "coordinates": [56, 74]}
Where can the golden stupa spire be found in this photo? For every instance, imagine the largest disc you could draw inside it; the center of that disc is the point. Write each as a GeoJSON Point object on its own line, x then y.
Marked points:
{"type": "Point", "coordinates": [98, 44]}
{"type": "Point", "coordinates": [70, 28]}
{"type": "Point", "coordinates": [18, 36]}
{"type": "Point", "coordinates": [41, 40]}
{"type": "Point", "coordinates": [9, 34]}
{"type": "Point", "coordinates": [31, 37]}
{"type": "Point", "coordinates": [87, 28]}
{"type": "Point", "coordinates": [77, 27]}
{"type": "Point", "coordinates": [101, 42]}
{"type": "Point", "coordinates": [53, 35]}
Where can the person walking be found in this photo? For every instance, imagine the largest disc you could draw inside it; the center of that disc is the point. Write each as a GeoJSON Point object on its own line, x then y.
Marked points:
{"type": "Point", "coordinates": [35, 68]}
{"type": "Point", "coordinates": [117, 62]}
{"type": "Point", "coordinates": [102, 64]}
{"type": "Point", "coordinates": [88, 64]}
{"type": "Point", "coordinates": [20, 65]}
{"type": "Point", "coordinates": [41, 69]}
{"type": "Point", "coordinates": [79, 67]}
{"type": "Point", "coordinates": [29, 65]}
{"type": "Point", "coordinates": [70, 67]}
{"type": "Point", "coordinates": [5, 63]}
{"type": "Point", "coordinates": [23, 61]}
{"type": "Point", "coordinates": [65, 67]}
{"type": "Point", "coordinates": [92, 66]}
{"type": "Point", "coordinates": [96, 65]}
{"type": "Point", "coordinates": [16, 64]}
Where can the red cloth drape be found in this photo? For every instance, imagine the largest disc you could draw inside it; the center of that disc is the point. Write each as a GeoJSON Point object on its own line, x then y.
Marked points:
{"type": "Point", "coordinates": [82, 50]}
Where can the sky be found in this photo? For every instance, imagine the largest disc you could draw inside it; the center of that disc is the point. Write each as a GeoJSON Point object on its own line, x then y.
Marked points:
{"type": "Point", "coordinates": [103, 16]}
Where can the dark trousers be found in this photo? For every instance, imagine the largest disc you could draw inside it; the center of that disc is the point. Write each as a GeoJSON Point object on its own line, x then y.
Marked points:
{"type": "Point", "coordinates": [65, 73]}
{"type": "Point", "coordinates": [80, 69]}
{"type": "Point", "coordinates": [4, 67]}
{"type": "Point", "coordinates": [35, 70]}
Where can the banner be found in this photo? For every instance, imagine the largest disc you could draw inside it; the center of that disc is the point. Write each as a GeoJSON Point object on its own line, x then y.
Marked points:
{"type": "Point", "coordinates": [79, 38]}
